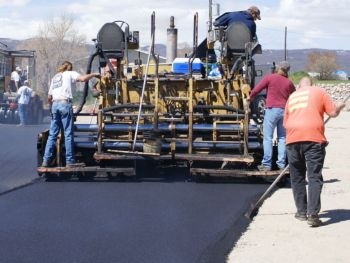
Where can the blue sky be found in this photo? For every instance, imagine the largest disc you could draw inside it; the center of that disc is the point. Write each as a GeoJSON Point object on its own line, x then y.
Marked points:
{"type": "Point", "coordinates": [309, 23]}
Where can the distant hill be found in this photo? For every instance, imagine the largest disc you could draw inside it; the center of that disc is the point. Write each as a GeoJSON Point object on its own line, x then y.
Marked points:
{"type": "Point", "coordinates": [10, 43]}
{"type": "Point", "coordinates": [296, 57]}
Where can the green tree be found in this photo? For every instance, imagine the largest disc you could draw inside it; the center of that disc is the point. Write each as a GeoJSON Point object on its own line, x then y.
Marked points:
{"type": "Point", "coordinates": [324, 63]}
{"type": "Point", "coordinates": [297, 76]}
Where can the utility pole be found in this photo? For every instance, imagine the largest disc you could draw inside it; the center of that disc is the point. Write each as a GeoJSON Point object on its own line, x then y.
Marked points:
{"type": "Point", "coordinates": [210, 22]}
{"type": "Point", "coordinates": [285, 43]}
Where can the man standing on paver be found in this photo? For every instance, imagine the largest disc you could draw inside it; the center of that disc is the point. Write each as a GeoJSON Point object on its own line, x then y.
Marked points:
{"type": "Point", "coordinates": [306, 143]}
{"type": "Point", "coordinates": [278, 87]}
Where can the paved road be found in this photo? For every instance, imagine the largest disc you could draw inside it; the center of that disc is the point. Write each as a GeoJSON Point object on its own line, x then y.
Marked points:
{"type": "Point", "coordinates": [163, 220]}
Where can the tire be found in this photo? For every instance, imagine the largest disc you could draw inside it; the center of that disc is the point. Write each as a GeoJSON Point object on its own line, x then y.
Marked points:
{"type": "Point", "coordinates": [258, 109]}
{"type": "Point", "coordinates": [16, 118]}
{"type": "Point", "coordinates": [2, 115]}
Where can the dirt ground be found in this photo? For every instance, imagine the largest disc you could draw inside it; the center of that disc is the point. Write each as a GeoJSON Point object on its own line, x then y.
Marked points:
{"type": "Point", "coordinates": [275, 236]}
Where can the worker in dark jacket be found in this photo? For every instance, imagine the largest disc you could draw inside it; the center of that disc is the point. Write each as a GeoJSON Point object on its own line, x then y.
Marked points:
{"type": "Point", "coordinates": [247, 17]}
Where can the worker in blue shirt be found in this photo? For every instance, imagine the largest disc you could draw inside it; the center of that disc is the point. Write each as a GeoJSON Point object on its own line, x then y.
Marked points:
{"type": "Point", "coordinates": [247, 17]}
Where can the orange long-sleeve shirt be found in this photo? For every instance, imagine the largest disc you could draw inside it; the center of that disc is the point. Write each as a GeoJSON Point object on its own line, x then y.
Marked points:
{"type": "Point", "coordinates": [304, 114]}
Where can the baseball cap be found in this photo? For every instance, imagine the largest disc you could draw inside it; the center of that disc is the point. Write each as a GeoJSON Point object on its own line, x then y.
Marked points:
{"type": "Point", "coordinates": [256, 10]}
{"type": "Point", "coordinates": [284, 65]}
{"type": "Point", "coordinates": [18, 69]}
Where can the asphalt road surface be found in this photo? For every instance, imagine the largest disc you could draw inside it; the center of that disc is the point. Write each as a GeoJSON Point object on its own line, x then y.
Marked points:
{"type": "Point", "coordinates": [167, 220]}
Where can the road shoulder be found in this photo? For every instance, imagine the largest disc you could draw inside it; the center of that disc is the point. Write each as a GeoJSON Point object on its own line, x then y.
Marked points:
{"type": "Point", "coordinates": [275, 235]}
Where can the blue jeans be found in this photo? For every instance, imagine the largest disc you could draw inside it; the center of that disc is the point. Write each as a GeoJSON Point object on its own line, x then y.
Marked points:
{"type": "Point", "coordinates": [273, 119]}
{"type": "Point", "coordinates": [306, 157]}
{"type": "Point", "coordinates": [62, 118]}
{"type": "Point", "coordinates": [22, 111]}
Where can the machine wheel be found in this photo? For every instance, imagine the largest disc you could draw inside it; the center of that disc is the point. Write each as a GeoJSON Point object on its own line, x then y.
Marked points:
{"type": "Point", "coordinates": [258, 109]}
{"type": "Point", "coordinates": [16, 118]}
{"type": "Point", "coordinates": [2, 115]}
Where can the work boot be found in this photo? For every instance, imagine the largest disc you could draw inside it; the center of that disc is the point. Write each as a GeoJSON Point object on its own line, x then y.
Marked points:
{"type": "Point", "coordinates": [301, 217]}
{"type": "Point", "coordinates": [314, 221]}
{"type": "Point", "coordinates": [74, 165]}
{"type": "Point", "coordinates": [263, 168]}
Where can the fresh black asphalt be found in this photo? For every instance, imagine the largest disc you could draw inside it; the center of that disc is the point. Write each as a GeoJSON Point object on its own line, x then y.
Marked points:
{"type": "Point", "coordinates": [166, 220]}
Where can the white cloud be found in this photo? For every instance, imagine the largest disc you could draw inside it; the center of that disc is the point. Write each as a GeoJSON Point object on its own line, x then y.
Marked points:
{"type": "Point", "coordinates": [138, 16]}
{"type": "Point", "coordinates": [17, 29]}
{"type": "Point", "coordinates": [4, 3]}
{"type": "Point", "coordinates": [309, 23]}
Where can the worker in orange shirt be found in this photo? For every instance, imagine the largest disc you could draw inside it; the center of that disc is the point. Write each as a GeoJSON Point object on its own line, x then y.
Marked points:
{"type": "Point", "coordinates": [305, 145]}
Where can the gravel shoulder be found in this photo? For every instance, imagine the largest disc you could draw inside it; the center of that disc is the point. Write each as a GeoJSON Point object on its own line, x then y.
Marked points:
{"type": "Point", "coordinates": [274, 235]}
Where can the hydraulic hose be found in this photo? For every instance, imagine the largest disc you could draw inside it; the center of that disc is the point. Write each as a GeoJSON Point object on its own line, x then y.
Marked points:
{"type": "Point", "coordinates": [86, 86]}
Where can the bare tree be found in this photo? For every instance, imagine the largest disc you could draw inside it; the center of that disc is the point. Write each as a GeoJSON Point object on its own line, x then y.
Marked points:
{"type": "Point", "coordinates": [323, 63]}
{"type": "Point", "coordinates": [57, 40]}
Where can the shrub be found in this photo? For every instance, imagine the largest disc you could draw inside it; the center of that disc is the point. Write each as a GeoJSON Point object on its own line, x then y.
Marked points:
{"type": "Point", "coordinates": [296, 76]}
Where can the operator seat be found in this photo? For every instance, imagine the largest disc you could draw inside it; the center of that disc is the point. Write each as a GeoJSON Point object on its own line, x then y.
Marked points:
{"type": "Point", "coordinates": [110, 43]}
{"type": "Point", "coordinates": [239, 46]}
{"type": "Point", "coordinates": [237, 35]}
{"type": "Point", "coordinates": [237, 38]}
